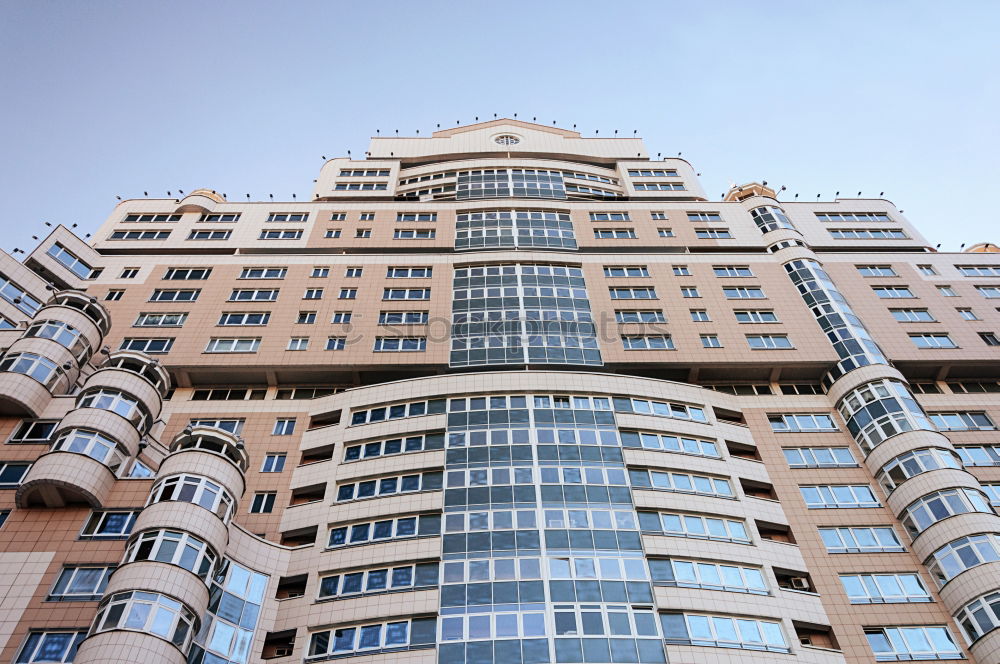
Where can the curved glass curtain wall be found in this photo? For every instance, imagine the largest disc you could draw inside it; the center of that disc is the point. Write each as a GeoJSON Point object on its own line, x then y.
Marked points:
{"type": "Point", "coordinates": [521, 314]}
{"type": "Point", "coordinates": [511, 229]}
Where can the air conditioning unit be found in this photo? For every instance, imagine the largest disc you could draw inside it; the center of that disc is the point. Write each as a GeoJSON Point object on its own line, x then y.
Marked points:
{"type": "Point", "coordinates": [800, 583]}
{"type": "Point", "coordinates": [284, 651]}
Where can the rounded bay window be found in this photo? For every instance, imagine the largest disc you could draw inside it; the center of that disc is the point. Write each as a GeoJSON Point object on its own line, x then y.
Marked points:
{"type": "Point", "coordinates": [94, 445]}
{"type": "Point", "coordinates": [28, 381]}
{"type": "Point", "coordinates": [64, 334]}
{"type": "Point", "coordinates": [196, 490]}
{"type": "Point", "coordinates": [87, 304]}
{"type": "Point", "coordinates": [141, 365]}
{"type": "Point", "coordinates": [61, 477]}
{"type": "Point", "coordinates": [214, 441]}
{"type": "Point", "coordinates": [118, 402]}
{"type": "Point", "coordinates": [173, 547]}
{"type": "Point", "coordinates": [149, 613]}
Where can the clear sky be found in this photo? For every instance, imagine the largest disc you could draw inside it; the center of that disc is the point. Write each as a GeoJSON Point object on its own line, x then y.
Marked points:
{"type": "Point", "coordinates": [108, 98]}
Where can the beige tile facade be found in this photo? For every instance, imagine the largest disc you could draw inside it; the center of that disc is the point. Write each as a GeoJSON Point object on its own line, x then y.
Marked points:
{"type": "Point", "coordinates": [322, 487]}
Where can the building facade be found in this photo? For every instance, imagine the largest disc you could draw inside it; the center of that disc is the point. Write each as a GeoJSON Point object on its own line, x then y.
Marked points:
{"type": "Point", "coordinates": [503, 394]}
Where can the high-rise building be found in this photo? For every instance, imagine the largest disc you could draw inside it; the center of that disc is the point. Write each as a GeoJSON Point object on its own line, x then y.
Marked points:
{"type": "Point", "coordinates": [504, 395]}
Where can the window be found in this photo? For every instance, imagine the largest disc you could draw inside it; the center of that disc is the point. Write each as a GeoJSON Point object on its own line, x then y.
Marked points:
{"type": "Point", "coordinates": [948, 291]}
{"type": "Point", "coordinates": [400, 344]}
{"type": "Point", "coordinates": [690, 291]}
{"type": "Point", "coordinates": [625, 293]}
{"type": "Point", "coordinates": [665, 232]}
{"type": "Point", "coordinates": [895, 644]}
{"type": "Point", "coordinates": [614, 233]}
{"type": "Point", "coordinates": [990, 338]}
{"type": "Point", "coordinates": [658, 216]}
{"type": "Point", "coordinates": [110, 524]}
{"type": "Point", "coordinates": [631, 316]}
{"type": "Point", "coordinates": [232, 425]}
{"type": "Point", "coordinates": [273, 463]}
{"type": "Point", "coordinates": [407, 577]}
{"type": "Point", "coordinates": [658, 186]}
{"type": "Point", "coordinates": [283, 427]}
{"type": "Point", "coordinates": [927, 270]}
{"type": "Point", "coordinates": [336, 343]}
{"type": "Point", "coordinates": [743, 293]}
{"type": "Point", "coordinates": [980, 616]}
{"type": "Point", "coordinates": [723, 632]}
{"type": "Point", "coordinates": [306, 318]}
{"type": "Point", "coordinates": [609, 216]}
{"type": "Point", "coordinates": [169, 295]}
{"type": "Point", "coordinates": [861, 539]}
{"type": "Point", "coordinates": [884, 588]}
{"type": "Point", "coordinates": [196, 490]}
{"type": "Point", "coordinates": [244, 319]}
{"type": "Point", "coordinates": [802, 422]}
{"type": "Point", "coordinates": [263, 273]}
{"type": "Point", "coordinates": [228, 394]}
{"type": "Point", "coordinates": [656, 173]}
{"type": "Point", "coordinates": [626, 271]}
{"type": "Point", "coordinates": [819, 457]}
{"type": "Point", "coordinates": [140, 235]}
{"type": "Point", "coordinates": [71, 262]}
{"type": "Point", "coordinates": [967, 314]}
{"type": "Point", "coordinates": [209, 235]}
{"type": "Point", "coordinates": [41, 369]}
{"type": "Point", "coordinates": [670, 443]}
{"type": "Point", "coordinates": [927, 510]}
{"type": "Point", "coordinates": [35, 432]}
{"type": "Point", "coordinates": [147, 345]}
{"type": "Point", "coordinates": [160, 320]}
{"type": "Point", "coordinates": [418, 443]}
{"type": "Point", "coordinates": [173, 548]}
{"type": "Point", "coordinates": [756, 316]}
{"type": "Point", "coordinates": [387, 486]}
{"type": "Point", "coordinates": [770, 218]}
{"type": "Point", "coordinates": [50, 647]}
{"type": "Point", "coordinates": [979, 270]}
{"type": "Point", "coordinates": [414, 234]}
{"type": "Point", "coordinates": [694, 526]}
{"type": "Point", "coordinates": [12, 472]}
{"type": "Point", "coordinates": [365, 173]}
{"type": "Point", "coordinates": [320, 272]}
{"type": "Point", "coordinates": [932, 340]}
{"type": "Point", "coordinates": [151, 218]}
{"type": "Point", "coordinates": [288, 216]}
{"type": "Point", "coordinates": [416, 216]}
{"type": "Point", "coordinates": [263, 503]}
{"type": "Point", "coordinates": [732, 271]}
{"type": "Point", "coordinates": [149, 613]}
{"type": "Point", "coordinates": [92, 444]}
{"type": "Point", "coordinates": [398, 528]}
{"type": "Point", "coordinates": [397, 411]}
{"type": "Point", "coordinates": [333, 233]}
{"type": "Point", "coordinates": [402, 318]}
{"type": "Point", "coordinates": [366, 216]}
{"type": "Point", "coordinates": [704, 216]}
{"type": "Point", "coordinates": [838, 496]}
{"type": "Point", "coordinates": [681, 271]}
{"type": "Point", "coordinates": [853, 216]}
{"type": "Point", "coordinates": [406, 294]}
{"type": "Point", "coordinates": [220, 218]}
{"type": "Point", "coordinates": [713, 234]}
{"type": "Point", "coordinates": [114, 295]}
{"type": "Point", "coordinates": [700, 316]}
{"type": "Point", "coordinates": [361, 186]}
{"type": "Point", "coordinates": [648, 342]}
{"type": "Point", "coordinates": [912, 315]}
{"type": "Point", "coordinates": [313, 294]}
{"type": "Point", "coordinates": [235, 345]}
{"type": "Point", "coordinates": [876, 271]}
{"type": "Point", "coordinates": [867, 234]}
{"type": "Point", "coordinates": [253, 295]}
{"type": "Point", "coordinates": [681, 483]}
{"type": "Point", "coordinates": [346, 294]}
{"type": "Point", "coordinates": [962, 421]}
{"type": "Point", "coordinates": [368, 639]}
{"type": "Point", "coordinates": [338, 216]}
{"type": "Point", "coordinates": [964, 553]}
{"type": "Point", "coordinates": [353, 272]}
{"type": "Point", "coordinates": [187, 274]}
{"type": "Point", "coordinates": [298, 343]}
{"type": "Point", "coordinates": [769, 341]}
{"type": "Point", "coordinates": [341, 317]}
{"type": "Point", "coordinates": [280, 234]}
{"type": "Point", "coordinates": [85, 584]}
{"type": "Point", "coordinates": [409, 272]}
{"type": "Point", "coordinates": [363, 233]}
{"type": "Point", "coordinates": [710, 341]}
{"type": "Point", "coordinates": [892, 292]}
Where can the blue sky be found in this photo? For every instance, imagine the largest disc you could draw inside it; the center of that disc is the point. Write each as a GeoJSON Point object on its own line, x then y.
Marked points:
{"type": "Point", "coordinates": [115, 98]}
